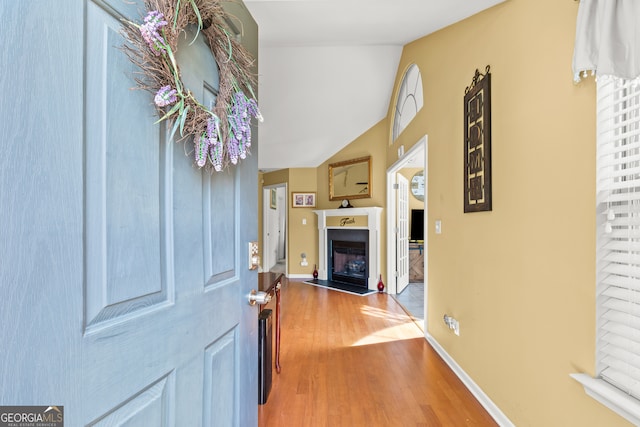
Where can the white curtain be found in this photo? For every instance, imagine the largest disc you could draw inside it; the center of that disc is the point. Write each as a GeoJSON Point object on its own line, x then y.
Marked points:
{"type": "Point", "coordinates": [608, 38]}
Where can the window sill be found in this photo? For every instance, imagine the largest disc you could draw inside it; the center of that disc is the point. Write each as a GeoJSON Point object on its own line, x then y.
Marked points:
{"type": "Point", "coordinates": [614, 399]}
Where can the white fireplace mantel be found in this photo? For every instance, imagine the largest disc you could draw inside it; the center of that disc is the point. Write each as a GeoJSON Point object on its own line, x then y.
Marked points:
{"type": "Point", "coordinates": [352, 218]}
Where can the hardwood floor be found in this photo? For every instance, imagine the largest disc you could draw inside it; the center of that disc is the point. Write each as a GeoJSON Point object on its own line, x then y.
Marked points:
{"type": "Point", "coordinates": [353, 361]}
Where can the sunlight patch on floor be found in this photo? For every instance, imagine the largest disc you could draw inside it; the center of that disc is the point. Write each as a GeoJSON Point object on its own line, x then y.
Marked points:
{"type": "Point", "coordinates": [384, 314]}
{"type": "Point", "coordinates": [401, 332]}
{"type": "Point", "coordinates": [404, 328]}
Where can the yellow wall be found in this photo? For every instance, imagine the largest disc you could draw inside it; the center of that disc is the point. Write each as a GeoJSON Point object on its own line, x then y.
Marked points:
{"type": "Point", "coordinates": [304, 238]}
{"type": "Point", "coordinates": [520, 279]}
{"type": "Point", "coordinates": [300, 238]}
{"type": "Point", "coordinates": [276, 177]}
{"type": "Point", "coordinates": [371, 143]}
{"type": "Point", "coordinates": [265, 180]}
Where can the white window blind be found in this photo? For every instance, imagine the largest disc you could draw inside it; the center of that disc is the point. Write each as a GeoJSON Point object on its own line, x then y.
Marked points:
{"type": "Point", "coordinates": [618, 235]}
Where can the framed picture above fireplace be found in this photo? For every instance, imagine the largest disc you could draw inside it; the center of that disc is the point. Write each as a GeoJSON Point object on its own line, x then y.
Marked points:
{"type": "Point", "coordinates": [303, 200]}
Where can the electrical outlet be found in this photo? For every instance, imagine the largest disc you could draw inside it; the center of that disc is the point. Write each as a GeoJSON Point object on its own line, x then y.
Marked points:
{"type": "Point", "coordinates": [452, 324]}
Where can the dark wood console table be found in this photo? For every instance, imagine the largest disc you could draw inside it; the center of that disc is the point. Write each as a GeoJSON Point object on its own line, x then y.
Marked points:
{"type": "Point", "coordinates": [271, 284]}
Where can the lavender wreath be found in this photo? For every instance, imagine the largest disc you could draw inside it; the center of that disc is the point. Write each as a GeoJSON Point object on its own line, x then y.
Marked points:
{"type": "Point", "coordinates": [223, 136]}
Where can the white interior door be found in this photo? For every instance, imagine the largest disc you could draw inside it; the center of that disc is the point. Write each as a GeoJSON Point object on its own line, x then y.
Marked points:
{"type": "Point", "coordinates": [282, 223]}
{"type": "Point", "coordinates": [271, 231]}
{"type": "Point", "coordinates": [267, 195]}
{"type": "Point", "coordinates": [123, 296]}
{"type": "Point", "coordinates": [402, 235]}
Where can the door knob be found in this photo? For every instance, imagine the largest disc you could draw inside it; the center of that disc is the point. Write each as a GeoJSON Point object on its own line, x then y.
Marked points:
{"type": "Point", "coordinates": [258, 297]}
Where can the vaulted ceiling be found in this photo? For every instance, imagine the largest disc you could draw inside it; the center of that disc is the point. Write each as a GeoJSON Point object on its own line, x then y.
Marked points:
{"type": "Point", "coordinates": [327, 68]}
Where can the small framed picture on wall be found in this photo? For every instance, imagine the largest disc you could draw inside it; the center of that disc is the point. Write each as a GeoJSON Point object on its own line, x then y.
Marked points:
{"type": "Point", "coordinates": [304, 200]}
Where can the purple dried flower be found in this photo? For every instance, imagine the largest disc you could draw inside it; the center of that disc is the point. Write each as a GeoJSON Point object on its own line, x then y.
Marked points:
{"type": "Point", "coordinates": [213, 129]}
{"type": "Point", "coordinates": [252, 106]}
{"type": "Point", "coordinates": [240, 105]}
{"type": "Point", "coordinates": [232, 149]}
{"type": "Point", "coordinates": [234, 143]}
{"type": "Point", "coordinates": [244, 139]}
{"type": "Point", "coordinates": [154, 21]}
{"type": "Point", "coordinates": [215, 156]}
{"type": "Point", "coordinates": [165, 96]}
{"type": "Point", "coordinates": [240, 125]}
{"type": "Point", "coordinates": [209, 145]}
{"type": "Point", "coordinates": [201, 149]}
{"type": "Point", "coordinates": [238, 139]}
{"type": "Point", "coordinates": [233, 122]}
{"type": "Point", "coordinates": [247, 137]}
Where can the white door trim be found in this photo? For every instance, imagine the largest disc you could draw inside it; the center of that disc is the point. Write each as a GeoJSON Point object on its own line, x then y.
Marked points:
{"type": "Point", "coordinates": [403, 161]}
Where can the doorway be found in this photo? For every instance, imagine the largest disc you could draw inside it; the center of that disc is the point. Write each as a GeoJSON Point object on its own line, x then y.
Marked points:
{"type": "Point", "coordinates": [402, 209]}
{"type": "Point", "coordinates": [274, 226]}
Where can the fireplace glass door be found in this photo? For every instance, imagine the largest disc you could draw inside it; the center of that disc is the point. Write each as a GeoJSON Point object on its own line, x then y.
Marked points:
{"type": "Point", "coordinates": [349, 262]}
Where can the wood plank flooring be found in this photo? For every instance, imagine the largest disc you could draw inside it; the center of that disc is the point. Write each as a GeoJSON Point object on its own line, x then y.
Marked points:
{"type": "Point", "coordinates": [354, 361]}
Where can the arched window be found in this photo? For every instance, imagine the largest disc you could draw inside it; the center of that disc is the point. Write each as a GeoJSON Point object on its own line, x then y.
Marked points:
{"type": "Point", "coordinates": [409, 100]}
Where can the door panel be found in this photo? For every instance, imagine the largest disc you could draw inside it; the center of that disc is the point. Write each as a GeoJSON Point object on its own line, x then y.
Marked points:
{"type": "Point", "coordinates": [221, 234]}
{"type": "Point", "coordinates": [150, 407]}
{"type": "Point", "coordinates": [126, 239]}
{"type": "Point", "coordinates": [41, 233]}
{"type": "Point", "coordinates": [402, 237]}
{"type": "Point", "coordinates": [157, 217]}
{"type": "Point", "coordinates": [123, 287]}
{"type": "Point", "coordinates": [219, 388]}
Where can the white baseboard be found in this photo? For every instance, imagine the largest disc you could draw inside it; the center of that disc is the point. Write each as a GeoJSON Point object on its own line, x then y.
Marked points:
{"type": "Point", "coordinates": [484, 400]}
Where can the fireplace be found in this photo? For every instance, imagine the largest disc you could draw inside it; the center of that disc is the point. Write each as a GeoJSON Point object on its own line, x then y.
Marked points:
{"type": "Point", "coordinates": [348, 256]}
{"type": "Point", "coordinates": [355, 233]}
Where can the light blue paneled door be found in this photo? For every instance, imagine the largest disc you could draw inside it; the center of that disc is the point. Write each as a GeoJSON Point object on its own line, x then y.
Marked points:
{"type": "Point", "coordinates": [124, 269]}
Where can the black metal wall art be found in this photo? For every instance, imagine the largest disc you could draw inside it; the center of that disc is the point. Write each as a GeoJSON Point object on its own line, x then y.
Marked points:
{"type": "Point", "coordinates": [477, 143]}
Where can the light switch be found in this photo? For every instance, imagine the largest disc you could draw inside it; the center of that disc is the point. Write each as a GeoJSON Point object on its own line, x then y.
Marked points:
{"type": "Point", "coordinates": [304, 221]}
{"type": "Point", "coordinates": [438, 226]}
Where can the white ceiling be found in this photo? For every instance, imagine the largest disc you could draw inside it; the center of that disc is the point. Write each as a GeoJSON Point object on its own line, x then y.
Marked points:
{"type": "Point", "coordinates": [327, 68]}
